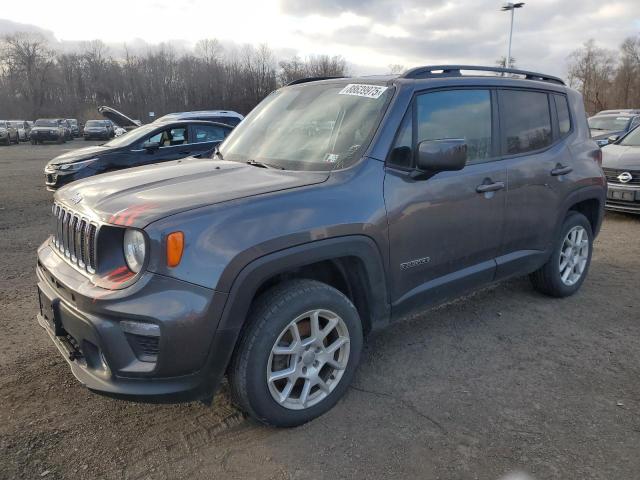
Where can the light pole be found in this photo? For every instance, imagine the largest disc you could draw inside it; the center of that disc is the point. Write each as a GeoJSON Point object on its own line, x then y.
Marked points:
{"type": "Point", "coordinates": [510, 6]}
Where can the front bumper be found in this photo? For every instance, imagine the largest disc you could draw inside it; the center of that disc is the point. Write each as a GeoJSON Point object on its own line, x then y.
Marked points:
{"type": "Point", "coordinates": [100, 135]}
{"type": "Point", "coordinates": [45, 135]}
{"type": "Point", "coordinates": [623, 198]}
{"type": "Point", "coordinates": [106, 358]}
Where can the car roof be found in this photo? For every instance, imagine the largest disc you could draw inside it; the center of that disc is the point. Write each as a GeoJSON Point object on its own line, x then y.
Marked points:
{"type": "Point", "coordinates": [180, 121]}
{"type": "Point", "coordinates": [194, 113]}
{"type": "Point", "coordinates": [446, 75]}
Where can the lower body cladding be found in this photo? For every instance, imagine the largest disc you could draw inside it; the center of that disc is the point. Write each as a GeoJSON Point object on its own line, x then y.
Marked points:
{"type": "Point", "coordinates": [154, 340]}
{"type": "Point", "coordinates": [623, 198]}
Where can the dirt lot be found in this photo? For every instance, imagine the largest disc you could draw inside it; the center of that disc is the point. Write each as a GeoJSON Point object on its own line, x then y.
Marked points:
{"type": "Point", "coordinates": [503, 381]}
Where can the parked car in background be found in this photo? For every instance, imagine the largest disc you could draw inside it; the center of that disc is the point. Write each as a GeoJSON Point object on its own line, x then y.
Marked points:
{"type": "Point", "coordinates": [621, 165]}
{"type": "Point", "coordinates": [66, 126]}
{"type": "Point", "coordinates": [335, 208]}
{"type": "Point", "coordinates": [48, 130]}
{"type": "Point", "coordinates": [8, 133]}
{"type": "Point", "coordinates": [97, 130]}
{"type": "Point", "coordinates": [75, 129]}
{"type": "Point", "coordinates": [604, 126]}
{"type": "Point", "coordinates": [222, 116]}
{"type": "Point", "coordinates": [148, 144]}
{"type": "Point", "coordinates": [119, 131]}
{"type": "Point", "coordinates": [23, 129]}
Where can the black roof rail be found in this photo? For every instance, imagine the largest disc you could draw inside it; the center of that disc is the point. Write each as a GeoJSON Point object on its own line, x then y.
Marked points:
{"type": "Point", "coordinates": [436, 71]}
{"type": "Point", "coordinates": [311, 79]}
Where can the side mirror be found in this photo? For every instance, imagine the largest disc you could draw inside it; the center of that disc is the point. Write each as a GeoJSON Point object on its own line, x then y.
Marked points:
{"type": "Point", "coordinates": [442, 155]}
{"type": "Point", "coordinates": [613, 138]}
{"type": "Point", "coordinates": [151, 147]}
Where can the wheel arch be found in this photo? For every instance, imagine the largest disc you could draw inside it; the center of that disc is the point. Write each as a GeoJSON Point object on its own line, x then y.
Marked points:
{"type": "Point", "coordinates": [590, 202]}
{"type": "Point", "coordinates": [352, 264]}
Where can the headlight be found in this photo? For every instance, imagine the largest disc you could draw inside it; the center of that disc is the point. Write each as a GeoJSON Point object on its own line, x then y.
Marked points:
{"type": "Point", "coordinates": [134, 249]}
{"type": "Point", "coordinates": [72, 167]}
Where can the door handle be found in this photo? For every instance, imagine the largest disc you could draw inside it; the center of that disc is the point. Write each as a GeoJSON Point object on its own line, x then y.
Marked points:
{"type": "Point", "coordinates": [561, 170]}
{"type": "Point", "coordinates": [490, 187]}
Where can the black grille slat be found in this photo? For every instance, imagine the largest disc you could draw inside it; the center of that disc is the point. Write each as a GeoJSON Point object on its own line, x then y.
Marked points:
{"type": "Point", "coordinates": [75, 237]}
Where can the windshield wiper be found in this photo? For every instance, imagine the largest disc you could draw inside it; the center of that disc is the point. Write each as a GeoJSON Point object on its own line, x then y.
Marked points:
{"type": "Point", "coordinates": [255, 163]}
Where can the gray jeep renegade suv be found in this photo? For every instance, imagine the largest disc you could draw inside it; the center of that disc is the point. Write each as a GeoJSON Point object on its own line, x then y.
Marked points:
{"type": "Point", "coordinates": [336, 207]}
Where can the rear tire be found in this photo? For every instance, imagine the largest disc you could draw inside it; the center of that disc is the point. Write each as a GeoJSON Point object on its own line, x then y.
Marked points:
{"type": "Point", "coordinates": [320, 359]}
{"type": "Point", "coordinates": [566, 269]}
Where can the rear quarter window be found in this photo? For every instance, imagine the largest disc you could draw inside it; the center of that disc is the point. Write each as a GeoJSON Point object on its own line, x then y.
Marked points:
{"type": "Point", "coordinates": [562, 109]}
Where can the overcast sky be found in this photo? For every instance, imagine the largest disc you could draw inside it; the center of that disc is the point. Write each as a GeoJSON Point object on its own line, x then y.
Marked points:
{"type": "Point", "coordinates": [370, 34]}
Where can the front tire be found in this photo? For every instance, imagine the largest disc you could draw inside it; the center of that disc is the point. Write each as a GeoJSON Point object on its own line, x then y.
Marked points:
{"type": "Point", "coordinates": [298, 355]}
{"type": "Point", "coordinates": [566, 269]}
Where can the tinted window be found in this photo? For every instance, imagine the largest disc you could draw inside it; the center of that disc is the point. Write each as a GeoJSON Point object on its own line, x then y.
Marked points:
{"type": "Point", "coordinates": [208, 133]}
{"type": "Point", "coordinates": [462, 114]}
{"type": "Point", "coordinates": [526, 120]}
{"type": "Point", "coordinates": [564, 121]}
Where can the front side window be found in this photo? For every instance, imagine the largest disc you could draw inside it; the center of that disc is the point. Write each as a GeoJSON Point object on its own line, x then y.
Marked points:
{"type": "Point", "coordinates": [321, 126]}
{"type": "Point", "coordinates": [457, 114]}
{"type": "Point", "coordinates": [208, 133]}
{"type": "Point", "coordinates": [525, 120]}
{"type": "Point", "coordinates": [402, 151]}
{"type": "Point", "coordinates": [169, 137]}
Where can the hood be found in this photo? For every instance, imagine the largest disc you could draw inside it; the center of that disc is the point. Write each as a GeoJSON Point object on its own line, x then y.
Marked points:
{"type": "Point", "coordinates": [40, 127]}
{"type": "Point", "coordinates": [604, 134]}
{"type": "Point", "coordinates": [79, 154]}
{"type": "Point", "coordinates": [118, 118]}
{"type": "Point", "coordinates": [139, 196]}
{"type": "Point", "coordinates": [621, 157]}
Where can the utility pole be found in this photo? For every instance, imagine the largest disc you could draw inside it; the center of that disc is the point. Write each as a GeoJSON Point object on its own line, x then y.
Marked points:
{"type": "Point", "coordinates": [510, 6]}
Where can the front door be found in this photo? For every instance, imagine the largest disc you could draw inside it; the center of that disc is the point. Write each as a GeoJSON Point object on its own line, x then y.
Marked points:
{"type": "Point", "coordinates": [445, 231]}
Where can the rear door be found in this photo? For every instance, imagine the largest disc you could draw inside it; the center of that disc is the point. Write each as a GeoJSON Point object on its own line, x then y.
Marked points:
{"type": "Point", "coordinates": [203, 138]}
{"type": "Point", "coordinates": [446, 230]}
{"type": "Point", "coordinates": [533, 141]}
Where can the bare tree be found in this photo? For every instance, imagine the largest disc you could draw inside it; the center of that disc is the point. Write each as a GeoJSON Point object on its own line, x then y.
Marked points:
{"type": "Point", "coordinates": [591, 70]}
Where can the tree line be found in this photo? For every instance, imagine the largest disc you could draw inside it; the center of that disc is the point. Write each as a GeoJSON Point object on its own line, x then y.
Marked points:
{"type": "Point", "coordinates": [38, 81]}
{"type": "Point", "coordinates": [607, 78]}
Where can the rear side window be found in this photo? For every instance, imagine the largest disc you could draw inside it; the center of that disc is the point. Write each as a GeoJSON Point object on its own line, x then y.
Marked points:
{"type": "Point", "coordinates": [564, 120]}
{"type": "Point", "coordinates": [208, 133]}
{"type": "Point", "coordinates": [526, 121]}
{"type": "Point", "coordinates": [464, 114]}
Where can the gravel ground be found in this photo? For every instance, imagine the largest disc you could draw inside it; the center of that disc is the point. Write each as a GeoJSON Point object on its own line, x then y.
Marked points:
{"type": "Point", "coordinates": [499, 382]}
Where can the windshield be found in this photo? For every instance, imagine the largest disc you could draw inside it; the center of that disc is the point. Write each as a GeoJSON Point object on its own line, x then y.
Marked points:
{"type": "Point", "coordinates": [632, 139]}
{"type": "Point", "coordinates": [46, 123]}
{"type": "Point", "coordinates": [309, 127]}
{"type": "Point", "coordinates": [95, 123]}
{"type": "Point", "coordinates": [612, 123]}
{"type": "Point", "coordinates": [132, 137]}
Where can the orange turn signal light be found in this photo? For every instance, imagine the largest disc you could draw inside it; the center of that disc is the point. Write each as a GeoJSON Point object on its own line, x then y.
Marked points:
{"type": "Point", "coordinates": [175, 247]}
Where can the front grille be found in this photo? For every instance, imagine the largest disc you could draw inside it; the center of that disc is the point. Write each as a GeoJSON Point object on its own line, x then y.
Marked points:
{"type": "Point", "coordinates": [612, 175]}
{"type": "Point", "coordinates": [75, 237]}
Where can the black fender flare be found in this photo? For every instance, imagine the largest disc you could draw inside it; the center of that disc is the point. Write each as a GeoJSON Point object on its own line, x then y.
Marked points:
{"type": "Point", "coordinates": [591, 192]}
{"type": "Point", "coordinates": [255, 273]}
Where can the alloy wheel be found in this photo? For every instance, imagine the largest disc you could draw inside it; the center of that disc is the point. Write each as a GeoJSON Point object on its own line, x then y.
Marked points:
{"type": "Point", "coordinates": [308, 359]}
